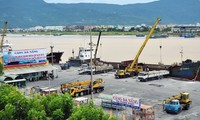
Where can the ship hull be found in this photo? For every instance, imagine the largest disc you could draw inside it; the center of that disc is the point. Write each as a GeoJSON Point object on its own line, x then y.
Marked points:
{"type": "Point", "coordinates": [56, 57]}
{"type": "Point", "coordinates": [186, 70]}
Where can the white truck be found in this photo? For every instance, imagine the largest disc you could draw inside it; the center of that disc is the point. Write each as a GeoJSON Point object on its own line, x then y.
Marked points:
{"type": "Point", "coordinates": [152, 75]}
{"type": "Point", "coordinates": [96, 69]}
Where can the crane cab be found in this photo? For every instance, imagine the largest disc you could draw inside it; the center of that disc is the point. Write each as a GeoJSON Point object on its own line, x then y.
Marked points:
{"type": "Point", "coordinates": [185, 97]}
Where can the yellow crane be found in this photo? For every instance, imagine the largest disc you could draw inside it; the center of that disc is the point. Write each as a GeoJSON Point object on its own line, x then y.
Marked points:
{"type": "Point", "coordinates": [177, 103]}
{"type": "Point", "coordinates": [182, 97]}
{"type": "Point", "coordinates": [2, 40]}
{"type": "Point", "coordinates": [82, 87]}
{"type": "Point", "coordinates": [133, 68]}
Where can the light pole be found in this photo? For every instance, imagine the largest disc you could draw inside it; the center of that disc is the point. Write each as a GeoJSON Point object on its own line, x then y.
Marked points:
{"type": "Point", "coordinates": [51, 54]}
{"type": "Point", "coordinates": [51, 64]}
{"type": "Point", "coordinates": [181, 54]}
{"type": "Point", "coordinates": [91, 65]}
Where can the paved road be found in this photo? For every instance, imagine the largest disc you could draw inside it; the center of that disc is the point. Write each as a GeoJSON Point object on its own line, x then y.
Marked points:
{"type": "Point", "coordinates": [151, 93]}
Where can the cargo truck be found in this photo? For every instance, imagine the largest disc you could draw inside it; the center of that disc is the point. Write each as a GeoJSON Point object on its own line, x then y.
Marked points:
{"type": "Point", "coordinates": [152, 75]}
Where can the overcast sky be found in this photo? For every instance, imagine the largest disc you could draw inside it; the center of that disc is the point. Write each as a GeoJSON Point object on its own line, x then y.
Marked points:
{"type": "Point", "coordinates": [121, 2]}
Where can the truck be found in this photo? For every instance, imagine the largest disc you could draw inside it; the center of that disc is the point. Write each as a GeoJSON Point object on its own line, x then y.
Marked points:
{"type": "Point", "coordinates": [145, 76]}
{"type": "Point", "coordinates": [43, 90]}
{"type": "Point", "coordinates": [133, 69]}
{"type": "Point", "coordinates": [177, 103]}
{"type": "Point", "coordinates": [103, 68]}
{"type": "Point", "coordinates": [81, 88]}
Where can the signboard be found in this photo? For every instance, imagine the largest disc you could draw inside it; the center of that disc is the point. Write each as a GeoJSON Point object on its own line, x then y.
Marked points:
{"type": "Point", "coordinates": [126, 101]}
{"type": "Point", "coordinates": [28, 56]}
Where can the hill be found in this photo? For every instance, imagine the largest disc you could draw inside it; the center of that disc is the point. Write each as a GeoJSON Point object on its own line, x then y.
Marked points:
{"type": "Point", "coordinates": [27, 13]}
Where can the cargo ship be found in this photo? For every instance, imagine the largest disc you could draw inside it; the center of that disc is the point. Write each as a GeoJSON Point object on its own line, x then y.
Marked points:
{"type": "Point", "coordinates": [159, 36]}
{"type": "Point", "coordinates": [187, 69]}
{"type": "Point", "coordinates": [187, 35]}
{"type": "Point", "coordinates": [56, 57]}
{"type": "Point", "coordinates": [140, 35]}
{"type": "Point", "coordinates": [82, 58]}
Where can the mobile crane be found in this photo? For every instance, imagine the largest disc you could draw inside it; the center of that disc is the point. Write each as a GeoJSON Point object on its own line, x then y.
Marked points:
{"type": "Point", "coordinates": [177, 103]}
{"type": "Point", "coordinates": [82, 88]}
{"type": "Point", "coordinates": [133, 68]}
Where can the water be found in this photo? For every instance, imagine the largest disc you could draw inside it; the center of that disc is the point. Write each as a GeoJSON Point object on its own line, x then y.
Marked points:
{"type": "Point", "coordinates": [115, 48]}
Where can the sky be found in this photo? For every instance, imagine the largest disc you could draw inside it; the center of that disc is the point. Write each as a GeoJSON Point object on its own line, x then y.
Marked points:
{"type": "Point", "coordinates": [120, 2]}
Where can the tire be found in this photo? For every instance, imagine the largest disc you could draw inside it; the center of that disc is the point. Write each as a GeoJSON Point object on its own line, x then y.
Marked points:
{"type": "Point", "coordinates": [76, 95]}
{"type": "Point", "coordinates": [94, 91]}
{"type": "Point", "coordinates": [187, 107]}
{"type": "Point", "coordinates": [179, 110]}
{"type": "Point", "coordinates": [81, 94]}
{"type": "Point", "coordinates": [98, 90]}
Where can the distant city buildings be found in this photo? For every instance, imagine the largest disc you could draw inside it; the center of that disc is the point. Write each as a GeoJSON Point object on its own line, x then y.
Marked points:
{"type": "Point", "coordinates": [187, 28]}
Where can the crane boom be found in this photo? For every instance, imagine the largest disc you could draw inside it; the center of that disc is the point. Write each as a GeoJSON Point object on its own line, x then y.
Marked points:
{"type": "Point", "coordinates": [95, 55]}
{"type": "Point", "coordinates": [129, 68]}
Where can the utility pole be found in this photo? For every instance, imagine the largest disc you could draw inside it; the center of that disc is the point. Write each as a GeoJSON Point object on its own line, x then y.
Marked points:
{"type": "Point", "coordinates": [181, 54]}
{"type": "Point", "coordinates": [160, 54]}
{"type": "Point", "coordinates": [91, 76]}
{"type": "Point", "coordinates": [73, 53]}
{"type": "Point", "coordinates": [51, 64]}
{"type": "Point", "coordinates": [51, 54]}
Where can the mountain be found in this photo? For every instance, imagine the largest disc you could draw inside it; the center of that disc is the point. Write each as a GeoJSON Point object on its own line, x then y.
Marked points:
{"type": "Point", "coordinates": [28, 13]}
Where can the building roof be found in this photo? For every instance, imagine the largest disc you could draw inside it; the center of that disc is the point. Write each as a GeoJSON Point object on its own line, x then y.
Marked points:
{"type": "Point", "coordinates": [30, 69]}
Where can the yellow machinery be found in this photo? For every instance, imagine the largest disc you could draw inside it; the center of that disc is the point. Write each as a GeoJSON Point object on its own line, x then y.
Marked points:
{"type": "Point", "coordinates": [133, 69]}
{"type": "Point", "coordinates": [82, 88]}
{"type": "Point", "coordinates": [177, 103]}
{"type": "Point", "coordinates": [2, 40]}
{"type": "Point", "coordinates": [182, 97]}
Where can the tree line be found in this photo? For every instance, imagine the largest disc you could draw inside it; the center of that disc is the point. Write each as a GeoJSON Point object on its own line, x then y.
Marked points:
{"type": "Point", "coordinates": [15, 106]}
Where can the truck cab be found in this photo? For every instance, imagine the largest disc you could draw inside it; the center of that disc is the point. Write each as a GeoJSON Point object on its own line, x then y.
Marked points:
{"type": "Point", "coordinates": [173, 106]}
{"type": "Point", "coordinates": [120, 74]}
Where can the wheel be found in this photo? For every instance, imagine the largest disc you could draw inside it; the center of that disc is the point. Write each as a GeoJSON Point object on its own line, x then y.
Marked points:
{"type": "Point", "coordinates": [81, 94]}
{"type": "Point", "coordinates": [187, 107]}
{"type": "Point", "coordinates": [98, 90]}
{"type": "Point", "coordinates": [179, 110]}
{"type": "Point", "coordinates": [76, 95]}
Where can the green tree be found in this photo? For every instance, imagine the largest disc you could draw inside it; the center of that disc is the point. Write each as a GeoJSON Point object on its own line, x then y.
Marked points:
{"type": "Point", "coordinates": [52, 104]}
{"type": "Point", "coordinates": [58, 114]}
{"type": "Point", "coordinates": [33, 114]}
{"type": "Point", "coordinates": [8, 112]}
{"type": "Point", "coordinates": [89, 112]}
{"type": "Point", "coordinates": [1, 69]}
{"type": "Point", "coordinates": [14, 106]}
{"type": "Point", "coordinates": [11, 95]}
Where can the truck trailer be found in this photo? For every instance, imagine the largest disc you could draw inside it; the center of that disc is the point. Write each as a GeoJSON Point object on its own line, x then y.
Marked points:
{"type": "Point", "coordinates": [152, 75]}
{"type": "Point", "coordinates": [104, 68]}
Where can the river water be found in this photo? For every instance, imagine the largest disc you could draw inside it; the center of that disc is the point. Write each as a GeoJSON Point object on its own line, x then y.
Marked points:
{"type": "Point", "coordinates": [115, 48]}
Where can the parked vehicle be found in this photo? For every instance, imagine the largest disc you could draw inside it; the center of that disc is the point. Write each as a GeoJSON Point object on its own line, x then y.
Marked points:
{"type": "Point", "coordinates": [177, 103]}
{"type": "Point", "coordinates": [95, 69]}
{"type": "Point", "coordinates": [152, 75]}
{"type": "Point", "coordinates": [82, 88]}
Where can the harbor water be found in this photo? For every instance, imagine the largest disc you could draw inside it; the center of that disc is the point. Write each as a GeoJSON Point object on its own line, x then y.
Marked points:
{"type": "Point", "coordinates": [114, 48]}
